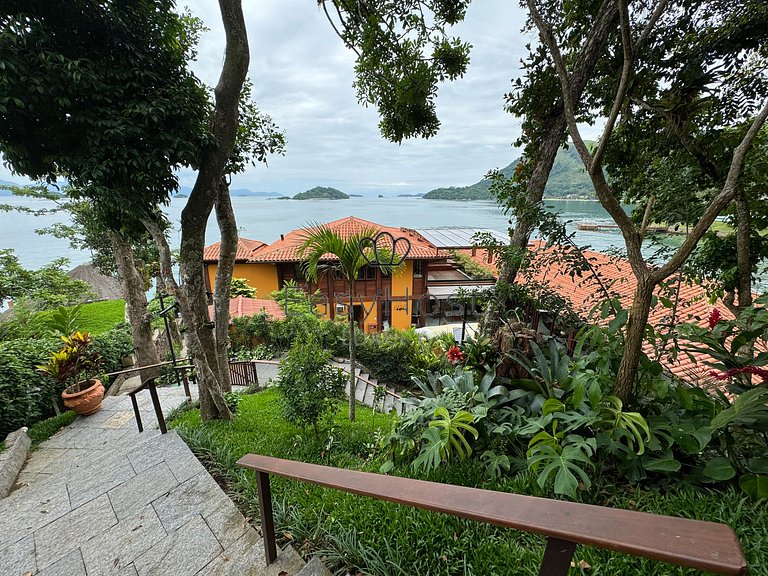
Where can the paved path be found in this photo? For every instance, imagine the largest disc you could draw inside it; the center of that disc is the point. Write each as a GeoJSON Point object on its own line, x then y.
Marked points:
{"type": "Point", "coordinates": [100, 499]}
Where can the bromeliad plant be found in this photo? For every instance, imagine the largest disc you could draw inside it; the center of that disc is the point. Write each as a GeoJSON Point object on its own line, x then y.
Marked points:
{"type": "Point", "coordinates": [75, 364]}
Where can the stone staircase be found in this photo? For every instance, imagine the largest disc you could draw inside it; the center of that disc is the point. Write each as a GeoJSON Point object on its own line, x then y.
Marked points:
{"type": "Point", "coordinates": [98, 498]}
{"type": "Point", "coordinates": [366, 392]}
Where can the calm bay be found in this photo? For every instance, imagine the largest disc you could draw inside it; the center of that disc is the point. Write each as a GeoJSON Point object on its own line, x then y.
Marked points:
{"type": "Point", "coordinates": [265, 219]}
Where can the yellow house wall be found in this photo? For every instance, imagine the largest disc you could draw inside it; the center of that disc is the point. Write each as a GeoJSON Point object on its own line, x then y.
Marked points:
{"type": "Point", "coordinates": [400, 281]}
{"type": "Point", "coordinates": [262, 277]}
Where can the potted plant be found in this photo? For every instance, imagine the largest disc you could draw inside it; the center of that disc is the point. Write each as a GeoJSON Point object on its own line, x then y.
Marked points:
{"type": "Point", "coordinates": [74, 368]}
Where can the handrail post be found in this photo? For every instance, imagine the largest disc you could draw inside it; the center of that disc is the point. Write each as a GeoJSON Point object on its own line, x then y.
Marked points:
{"type": "Point", "coordinates": [156, 404]}
{"type": "Point", "coordinates": [267, 520]}
{"type": "Point", "coordinates": [557, 557]}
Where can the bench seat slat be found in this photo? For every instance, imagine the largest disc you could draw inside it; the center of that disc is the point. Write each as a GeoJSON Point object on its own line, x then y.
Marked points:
{"type": "Point", "coordinates": [692, 543]}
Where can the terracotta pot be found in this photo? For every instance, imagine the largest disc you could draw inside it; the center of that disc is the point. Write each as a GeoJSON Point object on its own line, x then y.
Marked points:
{"type": "Point", "coordinates": [84, 397]}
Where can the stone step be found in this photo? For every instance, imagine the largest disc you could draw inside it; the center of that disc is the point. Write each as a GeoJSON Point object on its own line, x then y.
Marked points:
{"type": "Point", "coordinates": [315, 567]}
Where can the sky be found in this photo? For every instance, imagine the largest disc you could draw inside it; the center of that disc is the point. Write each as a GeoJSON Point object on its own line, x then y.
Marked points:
{"type": "Point", "coordinates": [303, 75]}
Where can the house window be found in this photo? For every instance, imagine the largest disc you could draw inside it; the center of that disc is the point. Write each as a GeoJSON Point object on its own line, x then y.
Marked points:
{"type": "Point", "coordinates": [298, 272]}
{"type": "Point", "coordinates": [418, 268]}
{"type": "Point", "coordinates": [366, 273]}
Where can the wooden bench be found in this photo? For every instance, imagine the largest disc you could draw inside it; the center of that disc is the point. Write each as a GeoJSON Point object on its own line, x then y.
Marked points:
{"type": "Point", "coordinates": [696, 544]}
{"type": "Point", "coordinates": [149, 384]}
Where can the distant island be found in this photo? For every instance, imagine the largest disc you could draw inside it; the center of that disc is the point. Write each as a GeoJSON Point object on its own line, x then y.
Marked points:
{"type": "Point", "coordinates": [180, 195]}
{"type": "Point", "coordinates": [355, 195]}
{"type": "Point", "coordinates": [321, 192]}
{"type": "Point", "coordinates": [419, 195]}
{"type": "Point", "coordinates": [568, 179]}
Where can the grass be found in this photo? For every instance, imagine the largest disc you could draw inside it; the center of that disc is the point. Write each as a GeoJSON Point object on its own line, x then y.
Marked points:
{"type": "Point", "coordinates": [44, 429]}
{"type": "Point", "coordinates": [99, 317]}
{"type": "Point", "coordinates": [383, 538]}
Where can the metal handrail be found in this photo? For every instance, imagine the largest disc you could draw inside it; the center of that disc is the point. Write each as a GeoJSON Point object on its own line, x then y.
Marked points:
{"type": "Point", "coordinates": [707, 546]}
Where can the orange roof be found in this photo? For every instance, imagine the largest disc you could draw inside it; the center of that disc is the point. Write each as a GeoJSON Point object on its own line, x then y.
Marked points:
{"type": "Point", "coordinates": [245, 250]}
{"type": "Point", "coordinates": [585, 291]}
{"type": "Point", "coordinates": [286, 249]}
{"type": "Point", "coordinates": [242, 306]}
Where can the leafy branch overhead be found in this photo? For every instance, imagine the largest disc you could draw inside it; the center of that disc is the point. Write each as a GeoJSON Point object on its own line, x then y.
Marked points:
{"type": "Point", "coordinates": [403, 52]}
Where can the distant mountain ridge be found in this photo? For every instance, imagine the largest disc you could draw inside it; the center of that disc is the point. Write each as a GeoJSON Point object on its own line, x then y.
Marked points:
{"type": "Point", "coordinates": [568, 179]}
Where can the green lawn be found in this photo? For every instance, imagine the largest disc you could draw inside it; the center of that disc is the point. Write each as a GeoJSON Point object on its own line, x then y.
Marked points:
{"type": "Point", "coordinates": [382, 538]}
{"type": "Point", "coordinates": [98, 317]}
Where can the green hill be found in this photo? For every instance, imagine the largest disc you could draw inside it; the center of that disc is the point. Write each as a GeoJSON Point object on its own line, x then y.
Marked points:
{"type": "Point", "coordinates": [567, 179]}
{"type": "Point", "coordinates": [320, 192]}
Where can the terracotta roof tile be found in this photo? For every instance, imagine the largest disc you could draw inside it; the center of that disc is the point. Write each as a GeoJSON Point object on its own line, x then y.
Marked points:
{"type": "Point", "coordinates": [245, 250]}
{"type": "Point", "coordinates": [584, 292]}
{"type": "Point", "coordinates": [286, 249]}
{"type": "Point", "coordinates": [242, 306]}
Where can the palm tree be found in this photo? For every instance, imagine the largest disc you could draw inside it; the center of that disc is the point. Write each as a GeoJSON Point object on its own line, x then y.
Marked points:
{"type": "Point", "coordinates": [323, 249]}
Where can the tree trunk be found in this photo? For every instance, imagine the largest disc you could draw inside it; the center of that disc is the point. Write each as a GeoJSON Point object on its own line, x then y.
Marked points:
{"type": "Point", "coordinates": [554, 131]}
{"type": "Point", "coordinates": [225, 216]}
{"type": "Point", "coordinates": [743, 252]}
{"type": "Point", "coordinates": [633, 339]}
{"type": "Point", "coordinates": [199, 330]}
{"type": "Point", "coordinates": [352, 353]}
{"type": "Point", "coordinates": [194, 218]}
{"type": "Point", "coordinates": [135, 296]}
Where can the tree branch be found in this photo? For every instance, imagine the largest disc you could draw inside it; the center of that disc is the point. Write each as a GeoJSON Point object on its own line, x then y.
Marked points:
{"type": "Point", "coordinates": [718, 204]}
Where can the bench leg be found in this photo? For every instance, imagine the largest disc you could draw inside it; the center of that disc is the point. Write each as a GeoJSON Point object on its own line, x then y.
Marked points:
{"type": "Point", "coordinates": [186, 384]}
{"type": "Point", "coordinates": [158, 409]}
{"type": "Point", "coordinates": [557, 557]}
{"type": "Point", "coordinates": [267, 520]}
{"type": "Point", "coordinates": [136, 412]}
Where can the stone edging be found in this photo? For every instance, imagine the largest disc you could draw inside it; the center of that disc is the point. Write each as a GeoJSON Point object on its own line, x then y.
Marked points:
{"type": "Point", "coordinates": [12, 459]}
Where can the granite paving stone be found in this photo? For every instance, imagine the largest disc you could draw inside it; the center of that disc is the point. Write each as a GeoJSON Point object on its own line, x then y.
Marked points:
{"type": "Point", "coordinates": [43, 459]}
{"type": "Point", "coordinates": [70, 565]}
{"type": "Point", "coordinates": [100, 498]}
{"type": "Point", "coordinates": [111, 473]}
{"type": "Point", "coordinates": [119, 419]}
{"type": "Point", "coordinates": [129, 570]}
{"type": "Point", "coordinates": [23, 512]}
{"type": "Point", "coordinates": [246, 557]}
{"type": "Point", "coordinates": [199, 495]}
{"type": "Point", "coordinates": [115, 549]}
{"type": "Point", "coordinates": [19, 557]}
{"type": "Point", "coordinates": [132, 495]}
{"type": "Point", "coordinates": [67, 533]}
{"type": "Point", "coordinates": [183, 553]}
{"type": "Point", "coordinates": [227, 524]}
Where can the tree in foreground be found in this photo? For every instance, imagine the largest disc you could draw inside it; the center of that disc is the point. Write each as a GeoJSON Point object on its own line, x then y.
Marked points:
{"type": "Point", "coordinates": [114, 108]}
{"type": "Point", "coordinates": [326, 251]}
{"type": "Point", "coordinates": [686, 65]}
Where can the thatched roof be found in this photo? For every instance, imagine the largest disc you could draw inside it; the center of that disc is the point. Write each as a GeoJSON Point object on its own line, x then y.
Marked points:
{"type": "Point", "coordinates": [105, 287]}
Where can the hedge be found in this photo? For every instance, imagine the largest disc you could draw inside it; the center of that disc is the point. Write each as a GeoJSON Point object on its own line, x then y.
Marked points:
{"type": "Point", "coordinates": [26, 395]}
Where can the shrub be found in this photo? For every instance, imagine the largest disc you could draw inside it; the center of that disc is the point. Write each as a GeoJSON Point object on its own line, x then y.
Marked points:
{"type": "Point", "coordinates": [308, 386]}
{"type": "Point", "coordinates": [26, 395]}
{"type": "Point", "coordinates": [113, 346]}
{"type": "Point", "coordinates": [389, 356]}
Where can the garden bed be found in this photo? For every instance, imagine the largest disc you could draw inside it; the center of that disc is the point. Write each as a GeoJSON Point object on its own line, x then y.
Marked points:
{"type": "Point", "coordinates": [382, 538]}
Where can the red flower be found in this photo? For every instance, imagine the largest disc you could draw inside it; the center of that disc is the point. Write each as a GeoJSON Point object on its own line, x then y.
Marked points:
{"type": "Point", "coordinates": [455, 354]}
{"type": "Point", "coordinates": [761, 372]}
{"type": "Point", "coordinates": [714, 318]}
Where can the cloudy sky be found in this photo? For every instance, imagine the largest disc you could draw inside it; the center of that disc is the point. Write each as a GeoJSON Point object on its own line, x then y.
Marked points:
{"type": "Point", "coordinates": [303, 77]}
